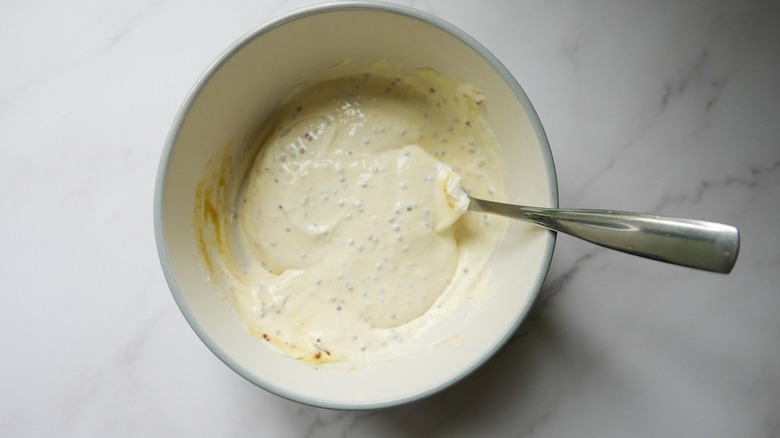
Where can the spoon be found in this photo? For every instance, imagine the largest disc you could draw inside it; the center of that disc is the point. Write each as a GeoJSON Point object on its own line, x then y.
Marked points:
{"type": "Point", "coordinates": [692, 243]}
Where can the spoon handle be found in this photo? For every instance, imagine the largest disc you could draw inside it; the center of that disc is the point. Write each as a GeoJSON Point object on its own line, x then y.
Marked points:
{"type": "Point", "coordinates": [693, 243]}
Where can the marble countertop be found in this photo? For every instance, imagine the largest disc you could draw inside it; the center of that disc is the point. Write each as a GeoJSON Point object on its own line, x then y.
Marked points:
{"type": "Point", "coordinates": [664, 107]}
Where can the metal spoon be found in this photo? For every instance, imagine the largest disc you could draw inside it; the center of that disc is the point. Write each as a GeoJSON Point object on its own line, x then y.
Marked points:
{"type": "Point", "coordinates": [693, 243]}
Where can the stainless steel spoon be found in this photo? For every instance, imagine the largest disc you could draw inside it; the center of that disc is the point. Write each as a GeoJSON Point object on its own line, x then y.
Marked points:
{"type": "Point", "coordinates": [693, 243]}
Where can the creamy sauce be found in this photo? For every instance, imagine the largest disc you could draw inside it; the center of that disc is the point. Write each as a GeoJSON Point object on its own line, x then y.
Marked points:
{"type": "Point", "coordinates": [347, 232]}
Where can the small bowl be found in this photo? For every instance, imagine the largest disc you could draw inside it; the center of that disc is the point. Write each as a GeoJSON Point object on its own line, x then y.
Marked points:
{"type": "Point", "coordinates": [238, 91]}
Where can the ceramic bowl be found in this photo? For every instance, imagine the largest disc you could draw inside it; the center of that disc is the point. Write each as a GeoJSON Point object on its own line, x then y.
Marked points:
{"type": "Point", "coordinates": [238, 91]}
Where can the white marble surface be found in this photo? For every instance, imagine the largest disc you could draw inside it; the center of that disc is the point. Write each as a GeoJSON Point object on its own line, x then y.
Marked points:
{"type": "Point", "coordinates": [655, 106]}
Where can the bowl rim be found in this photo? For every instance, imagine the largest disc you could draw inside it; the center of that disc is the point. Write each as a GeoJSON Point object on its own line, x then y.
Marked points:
{"type": "Point", "coordinates": [193, 94]}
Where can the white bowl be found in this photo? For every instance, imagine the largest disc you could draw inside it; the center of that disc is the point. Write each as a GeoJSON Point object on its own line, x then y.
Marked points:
{"type": "Point", "coordinates": [238, 91]}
